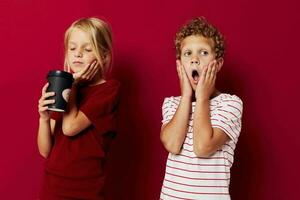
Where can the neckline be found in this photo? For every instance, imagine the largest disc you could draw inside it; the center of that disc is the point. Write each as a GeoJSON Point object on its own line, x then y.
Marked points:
{"type": "Point", "coordinates": [214, 98]}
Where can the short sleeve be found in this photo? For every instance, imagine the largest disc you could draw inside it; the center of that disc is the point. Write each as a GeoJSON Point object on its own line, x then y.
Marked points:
{"type": "Point", "coordinates": [168, 109]}
{"type": "Point", "coordinates": [228, 117]}
{"type": "Point", "coordinates": [101, 109]}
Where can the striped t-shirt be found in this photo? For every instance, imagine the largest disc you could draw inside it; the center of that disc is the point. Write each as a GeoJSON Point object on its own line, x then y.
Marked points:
{"type": "Point", "coordinates": [190, 177]}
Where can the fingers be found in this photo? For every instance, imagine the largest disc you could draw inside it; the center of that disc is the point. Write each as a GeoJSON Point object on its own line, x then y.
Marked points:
{"type": "Point", "coordinates": [184, 73]}
{"type": "Point", "coordinates": [88, 72]}
{"type": "Point", "coordinates": [214, 73]}
{"type": "Point", "coordinates": [178, 67]}
{"type": "Point", "coordinates": [94, 68]}
{"type": "Point", "coordinates": [46, 95]}
{"type": "Point", "coordinates": [47, 102]}
{"type": "Point", "coordinates": [84, 71]}
{"type": "Point", "coordinates": [43, 104]}
{"type": "Point", "coordinates": [44, 89]}
{"type": "Point", "coordinates": [210, 71]}
{"type": "Point", "coordinates": [203, 74]}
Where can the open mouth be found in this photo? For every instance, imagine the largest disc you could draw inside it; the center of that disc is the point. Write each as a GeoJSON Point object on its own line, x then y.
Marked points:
{"type": "Point", "coordinates": [195, 75]}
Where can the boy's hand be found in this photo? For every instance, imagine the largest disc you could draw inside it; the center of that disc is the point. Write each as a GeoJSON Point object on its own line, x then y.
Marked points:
{"type": "Point", "coordinates": [87, 73]}
{"type": "Point", "coordinates": [206, 84]}
{"type": "Point", "coordinates": [186, 88]}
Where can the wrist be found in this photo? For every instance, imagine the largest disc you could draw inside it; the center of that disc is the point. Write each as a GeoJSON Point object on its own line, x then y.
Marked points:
{"type": "Point", "coordinates": [202, 99]}
{"type": "Point", "coordinates": [186, 96]}
{"type": "Point", "coordinates": [44, 119]}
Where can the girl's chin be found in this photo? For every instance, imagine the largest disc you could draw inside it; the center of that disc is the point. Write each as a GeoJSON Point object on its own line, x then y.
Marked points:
{"type": "Point", "coordinates": [75, 69]}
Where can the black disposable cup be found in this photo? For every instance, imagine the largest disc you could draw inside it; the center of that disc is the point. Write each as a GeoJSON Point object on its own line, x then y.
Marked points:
{"type": "Point", "coordinates": [60, 82]}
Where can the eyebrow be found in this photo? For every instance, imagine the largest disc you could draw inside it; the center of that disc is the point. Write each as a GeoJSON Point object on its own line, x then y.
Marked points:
{"type": "Point", "coordinates": [206, 49]}
{"type": "Point", "coordinates": [85, 44]}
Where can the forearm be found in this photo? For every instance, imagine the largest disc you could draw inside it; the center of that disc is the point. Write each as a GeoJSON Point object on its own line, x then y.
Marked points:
{"type": "Point", "coordinates": [44, 137]}
{"type": "Point", "coordinates": [71, 112]}
{"type": "Point", "coordinates": [203, 131]}
{"type": "Point", "coordinates": [173, 134]}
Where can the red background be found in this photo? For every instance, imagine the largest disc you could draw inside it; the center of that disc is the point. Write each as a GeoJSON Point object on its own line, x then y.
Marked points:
{"type": "Point", "coordinates": [261, 66]}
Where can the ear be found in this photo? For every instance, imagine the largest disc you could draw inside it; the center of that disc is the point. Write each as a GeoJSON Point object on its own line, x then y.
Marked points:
{"type": "Point", "coordinates": [220, 62]}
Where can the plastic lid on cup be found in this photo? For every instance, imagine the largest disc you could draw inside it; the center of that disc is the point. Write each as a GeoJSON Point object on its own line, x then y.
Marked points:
{"type": "Point", "coordinates": [60, 73]}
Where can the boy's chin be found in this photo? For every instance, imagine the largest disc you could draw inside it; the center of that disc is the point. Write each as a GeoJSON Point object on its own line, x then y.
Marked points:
{"type": "Point", "coordinates": [194, 86]}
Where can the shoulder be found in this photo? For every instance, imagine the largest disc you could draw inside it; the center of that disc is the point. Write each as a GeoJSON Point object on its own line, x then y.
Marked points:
{"type": "Point", "coordinates": [230, 103]}
{"type": "Point", "coordinates": [229, 99]}
{"type": "Point", "coordinates": [172, 100]}
{"type": "Point", "coordinates": [112, 84]}
{"type": "Point", "coordinates": [108, 87]}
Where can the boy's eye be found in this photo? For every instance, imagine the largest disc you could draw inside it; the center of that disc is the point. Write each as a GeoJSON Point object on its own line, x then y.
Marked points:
{"type": "Point", "coordinates": [204, 53]}
{"type": "Point", "coordinates": [187, 53]}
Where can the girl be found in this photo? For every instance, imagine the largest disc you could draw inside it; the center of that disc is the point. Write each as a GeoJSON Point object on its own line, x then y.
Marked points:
{"type": "Point", "coordinates": [75, 143]}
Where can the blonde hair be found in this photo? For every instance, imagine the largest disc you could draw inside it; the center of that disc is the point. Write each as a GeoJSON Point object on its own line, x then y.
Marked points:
{"type": "Point", "coordinates": [100, 37]}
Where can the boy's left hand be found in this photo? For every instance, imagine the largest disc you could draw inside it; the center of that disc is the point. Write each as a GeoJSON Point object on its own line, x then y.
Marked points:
{"type": "Point", "coordinates": [206, 84]}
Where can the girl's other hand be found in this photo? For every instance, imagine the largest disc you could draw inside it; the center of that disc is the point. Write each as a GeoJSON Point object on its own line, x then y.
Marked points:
{"type": "Point", "coordinates": [44, 102]}
{"type": "Point", "coordinates": [87, 74]}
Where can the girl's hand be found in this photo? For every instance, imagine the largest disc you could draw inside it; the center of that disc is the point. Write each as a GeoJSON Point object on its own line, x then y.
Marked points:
{"type": "Point", "coordinates": [43, 103]}
{"type": "Point", "coordinates": [185, 85]}
{"type": "Point", "coordinates": [206, 84]}
{"type": "Point", "coordinates": [87, 73]}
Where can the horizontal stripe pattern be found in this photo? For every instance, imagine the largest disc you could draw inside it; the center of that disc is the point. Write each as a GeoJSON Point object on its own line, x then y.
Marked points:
{"type": "Point", "coordinates": [190, 177]}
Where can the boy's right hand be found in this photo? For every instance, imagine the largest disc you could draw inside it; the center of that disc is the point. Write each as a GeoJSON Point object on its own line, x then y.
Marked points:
{"type": "Point", "coordinates": [44, 102]}
{"type": "Point", "coordinates": [185, 85]}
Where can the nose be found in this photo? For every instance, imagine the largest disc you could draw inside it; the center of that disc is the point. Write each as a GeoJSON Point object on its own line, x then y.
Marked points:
{"type": "Point", "coordinates": [78, 54]}
{"type": "Point", "coordinates": [195, 61]}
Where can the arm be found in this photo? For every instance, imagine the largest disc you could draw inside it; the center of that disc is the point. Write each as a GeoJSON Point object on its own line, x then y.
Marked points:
{"type": "Point", "coordinates": [45, 136]}
{"type": "Point", "coordinates": [46, 125]}
{"type": "Point", "coordinates": [173, 133]}
{"type": "Point", "coordinates": [74, 121]}
{"type": "Point", "coordinates": [207, 140]}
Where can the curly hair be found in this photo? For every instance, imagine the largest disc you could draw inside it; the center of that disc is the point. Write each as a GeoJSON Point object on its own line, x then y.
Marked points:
{"type": "Point", "coordinates": [200, 26]}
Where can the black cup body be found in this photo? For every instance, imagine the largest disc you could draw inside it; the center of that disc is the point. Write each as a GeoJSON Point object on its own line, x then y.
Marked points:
{"type": "Point", "coordinates": [60, 82]}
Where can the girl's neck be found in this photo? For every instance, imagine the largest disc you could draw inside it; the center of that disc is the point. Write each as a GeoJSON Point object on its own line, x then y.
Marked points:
{"type": "Point", "coordinates": [98, 79]}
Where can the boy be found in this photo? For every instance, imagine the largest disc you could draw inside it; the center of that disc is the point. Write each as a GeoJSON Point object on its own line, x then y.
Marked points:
{"type": "Point", "coordinates": [201, 127]}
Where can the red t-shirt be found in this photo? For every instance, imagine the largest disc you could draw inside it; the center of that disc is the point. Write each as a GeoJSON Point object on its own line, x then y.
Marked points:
{"type": "Point", "coordinates": [74, 169]}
